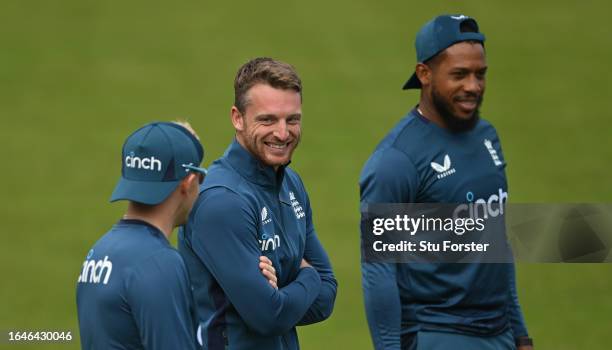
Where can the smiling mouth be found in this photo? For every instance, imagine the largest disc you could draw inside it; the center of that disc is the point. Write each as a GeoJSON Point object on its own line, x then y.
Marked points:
{"type": "Point", "coordinates": [467, 104]}
{"type": "Point", "coordinates": [277, 146]}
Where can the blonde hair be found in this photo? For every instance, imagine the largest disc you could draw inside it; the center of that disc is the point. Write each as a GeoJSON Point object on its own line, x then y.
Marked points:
{"type": "Point", "coordinates": [185, 124]}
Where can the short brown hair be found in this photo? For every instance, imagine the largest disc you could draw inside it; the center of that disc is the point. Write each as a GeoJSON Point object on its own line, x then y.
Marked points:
{"type": "Point", "coordinates": [264, 70]}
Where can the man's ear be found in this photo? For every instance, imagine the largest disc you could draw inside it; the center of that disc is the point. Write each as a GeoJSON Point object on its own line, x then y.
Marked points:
{"type": "Point", "coordinates": [187, 183]}
{"type": "Point", "coordinates": [237, 119]}
{"type": "Point", "coordinates": [423, 72]}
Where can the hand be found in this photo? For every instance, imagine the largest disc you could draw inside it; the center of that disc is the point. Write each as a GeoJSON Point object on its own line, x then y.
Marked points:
{"type": "Point", "coordinates": [265, 265]}
{"type": "Point", "coordinates": [304, 264]}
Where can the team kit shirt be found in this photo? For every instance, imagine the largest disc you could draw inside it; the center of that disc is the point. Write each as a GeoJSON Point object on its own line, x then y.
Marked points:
{"type": "Point", "coordinates": [246, 210]}
{"type": "Point", "coordinates": [420, 162]}
{"type": "Point", "coordinates": [134, 292]}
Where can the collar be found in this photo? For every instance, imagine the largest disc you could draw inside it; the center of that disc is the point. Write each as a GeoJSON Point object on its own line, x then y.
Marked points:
{"type": "Point", "coordinates": [251, 168]}
{"type": "Point", "coordinates": [442, 131]}
{"type": "Point", "coordinates": [416, 111]}
{"type": "Point", "coordinates": [153, 229]}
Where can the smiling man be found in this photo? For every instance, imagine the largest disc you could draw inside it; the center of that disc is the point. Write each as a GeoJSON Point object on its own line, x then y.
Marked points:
{"type": "Point", "coordinates": [442, 306]}
{"type": "Point", "coordinates": [253, 204]}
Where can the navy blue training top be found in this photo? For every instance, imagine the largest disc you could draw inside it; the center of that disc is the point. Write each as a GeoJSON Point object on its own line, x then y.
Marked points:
{"type": "Point", "coordinates": [419, 162]}
{"type": "Point", "coordinates": [134, 293]}
{"type": "Point", "coordinates": [246, 210]}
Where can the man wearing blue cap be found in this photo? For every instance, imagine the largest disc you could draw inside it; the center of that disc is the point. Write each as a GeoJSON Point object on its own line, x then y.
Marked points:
{"type": "Point", "coordinates": [251, 204]}
{"type": "Point", "coordinates": [133, 291]}
{"type": "Point", "coordinates": [442, 152]}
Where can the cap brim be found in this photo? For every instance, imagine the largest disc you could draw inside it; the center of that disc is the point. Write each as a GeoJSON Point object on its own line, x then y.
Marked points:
{"type": "Point", "coordinates": [412, 83]}
{"type": "Point", "coordinates": [195, 168]}
{"type": "Point", "coordinates": [146, 192]}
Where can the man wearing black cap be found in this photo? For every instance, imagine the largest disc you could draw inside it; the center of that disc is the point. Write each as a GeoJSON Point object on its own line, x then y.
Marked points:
{"type": "Point", "coordinates": [133, 291]}
{"type": "Point", "coordinates": [442, 152]}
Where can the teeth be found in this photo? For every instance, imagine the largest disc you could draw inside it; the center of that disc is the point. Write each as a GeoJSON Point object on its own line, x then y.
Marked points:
{"type": "Point", "coordinates": [277, 146]}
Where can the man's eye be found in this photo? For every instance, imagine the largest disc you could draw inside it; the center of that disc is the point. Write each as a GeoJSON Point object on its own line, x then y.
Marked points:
{"type": "Point", "coordinates": [293, 121]}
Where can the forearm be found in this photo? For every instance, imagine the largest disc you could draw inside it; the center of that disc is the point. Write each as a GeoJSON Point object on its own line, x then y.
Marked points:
{"type": "Point", "coordinates": [323, 305]}
{"type": "Point", "coordinates": [289, 305]}
{"type": "Point", "coordinates": [382, 303]}
{"type": "Point", "coordinates": [515, 313]}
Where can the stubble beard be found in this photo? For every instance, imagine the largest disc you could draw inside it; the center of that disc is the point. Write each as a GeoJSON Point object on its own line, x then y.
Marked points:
{"type": "Point", "coordinates": [252, 144]}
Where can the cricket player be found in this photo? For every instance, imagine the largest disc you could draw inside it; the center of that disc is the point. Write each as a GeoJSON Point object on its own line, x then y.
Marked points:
{"type": "Point", "coordinates": [253, 204]}
{"type": "Point", "coordinates": [442, 152]}
{"type": "Point", "coordinates": [134, 290]}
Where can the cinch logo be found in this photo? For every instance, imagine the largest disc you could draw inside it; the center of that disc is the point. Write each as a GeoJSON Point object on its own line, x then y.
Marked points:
{"type": "Point", "coordinates": [150, 163]}
{"type": "Point", "coordinates": [297, 208]}
{"type": "Point", "coordinates": [443, 170]}
{"type": "Point", "coordinates": [489, 145]}
{"type": "Point", "coordinates": [460, 17]}
{"type": "Point", "coordinates": [94, 270]}
{"type": "Point", "coordinates": [264, 216]}
{"type": "Point", "coordinates": [269, 242]}
{"type": "Point", "coordinates": [483, 208]}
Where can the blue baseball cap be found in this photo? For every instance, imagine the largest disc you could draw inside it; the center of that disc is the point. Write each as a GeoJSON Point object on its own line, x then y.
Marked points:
{"type": "Point", "coordinates": [154, 160]}
{"type": "Point", "coordinates": [440, 33]}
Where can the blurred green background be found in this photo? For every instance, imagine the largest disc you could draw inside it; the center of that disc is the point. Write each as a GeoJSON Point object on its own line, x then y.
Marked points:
{"type": "Point", "coordinates": [77, 76]}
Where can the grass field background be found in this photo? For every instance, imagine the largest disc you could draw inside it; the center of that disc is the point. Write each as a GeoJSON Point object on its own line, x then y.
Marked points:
{"type": "Point", "coordinates": [77, 76]}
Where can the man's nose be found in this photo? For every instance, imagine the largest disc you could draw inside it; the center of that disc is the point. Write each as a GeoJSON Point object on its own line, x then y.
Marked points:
{"type": "Point", "coordinates": [280, 131]}
{"type": "Point", "coordinates": [473, 84]}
